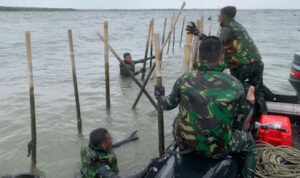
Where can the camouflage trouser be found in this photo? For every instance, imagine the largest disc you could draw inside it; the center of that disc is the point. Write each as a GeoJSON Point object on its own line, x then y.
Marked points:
{"type": "Point", "coordinates": [244, 144]}
{"type": "Point", "coordinates": [252, 74]}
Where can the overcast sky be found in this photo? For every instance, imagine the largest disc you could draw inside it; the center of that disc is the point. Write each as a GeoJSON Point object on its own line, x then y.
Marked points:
{"type": "Point", "coordinates": [155, 4]}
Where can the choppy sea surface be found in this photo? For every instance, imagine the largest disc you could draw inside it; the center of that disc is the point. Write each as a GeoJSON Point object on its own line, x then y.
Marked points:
{"type": "Point", "coordinates": [275, 32]}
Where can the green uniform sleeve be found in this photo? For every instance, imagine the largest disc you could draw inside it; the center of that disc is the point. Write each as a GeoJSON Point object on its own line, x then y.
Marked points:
{"type": "Point", "coordinates": [171, 101]}
{"type": "Point", "coordinates": [138, 61]}
{"type": "Point", "coordinates": [226, 35]}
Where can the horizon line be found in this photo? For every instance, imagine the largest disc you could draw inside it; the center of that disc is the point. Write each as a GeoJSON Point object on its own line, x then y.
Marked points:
{"type": "Point", "coordinates": [67, 8]}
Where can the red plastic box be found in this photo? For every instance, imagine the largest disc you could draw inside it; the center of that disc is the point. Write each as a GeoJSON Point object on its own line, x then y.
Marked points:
{"type": "Point", "coordinates": [276, 137]}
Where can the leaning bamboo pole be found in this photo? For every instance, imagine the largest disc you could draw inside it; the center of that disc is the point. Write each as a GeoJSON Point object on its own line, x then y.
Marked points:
{"type": "Point", "coordinates": [160, 114]}
{"type": "Point", "coordinates": [106, 64]}
{"type": "Point", "coordinates": [172, 28]}
{"type": "Point", "coordinates": [164, 31]}
{"type": "Point", "coordinates": [79, 122]}
{"type": "Point", "coordinates": [151, 43]}
{"type": "Point", "coordinates": [187, 51]}
{"type": "Point", "coordinates": [182, 31]}
{"type": "Point", "coordinates": [173, 38]}
{"type": "Point", "coordinates": [147, 47]}
{"type": "Point", "coordinates": [32, 143]}
{"type": "Point", "coordinates": [169, 42]}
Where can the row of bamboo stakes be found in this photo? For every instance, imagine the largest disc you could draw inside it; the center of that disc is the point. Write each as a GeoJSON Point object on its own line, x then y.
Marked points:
{"type": "Point", "coordinates": [190, 56]}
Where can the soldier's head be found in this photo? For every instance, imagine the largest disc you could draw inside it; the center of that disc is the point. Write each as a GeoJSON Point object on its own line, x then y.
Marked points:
{"type": "Point", "coordinates": [100, 139]}
{"type": "Point", "coordinates": [127, 57]}
{"type": "Point", "coordinates": [211, 50]}
{"type": "Point", "coordinates": [227, 12]}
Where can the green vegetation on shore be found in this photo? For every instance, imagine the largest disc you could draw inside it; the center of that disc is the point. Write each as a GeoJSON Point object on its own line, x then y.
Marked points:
{"type": "Point", "coordinates": [3, 8]}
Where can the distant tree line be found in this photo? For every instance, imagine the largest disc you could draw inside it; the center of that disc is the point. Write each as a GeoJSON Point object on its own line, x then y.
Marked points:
{"type": "Point", "coordinates": [3, 8]}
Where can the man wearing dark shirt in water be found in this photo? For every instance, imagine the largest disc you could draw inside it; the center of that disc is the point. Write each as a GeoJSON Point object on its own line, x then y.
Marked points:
{"type": "Point", "coordinates": [131, 65]}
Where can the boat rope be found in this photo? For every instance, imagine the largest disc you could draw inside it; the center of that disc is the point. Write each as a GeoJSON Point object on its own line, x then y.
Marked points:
{"type": "Point", "coordinates": [277, 161]}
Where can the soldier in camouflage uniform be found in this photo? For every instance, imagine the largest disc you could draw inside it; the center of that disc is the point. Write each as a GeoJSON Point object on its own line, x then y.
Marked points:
{"type": "Point", "coordinates": [97, 158]}
{"type": "Point", "coordinates": [241, 55]}
{"type": "Point", "coordinates": [130, 64]}
{"type": "Point", "coordinates": [209, 104]}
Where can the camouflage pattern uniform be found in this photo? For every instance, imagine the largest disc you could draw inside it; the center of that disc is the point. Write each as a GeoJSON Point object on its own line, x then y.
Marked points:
{"type": "Point", "coordinates": [209, 103]}
{"type": "Point", "coordinates": [243, 59]}
{"type": "Point", "coordinates": [102, 162]}
{"type": "Point", "coordinates": [131, 67]}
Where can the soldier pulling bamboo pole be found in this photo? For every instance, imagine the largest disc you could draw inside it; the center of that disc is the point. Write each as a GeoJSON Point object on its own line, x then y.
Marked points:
{"type": "Point", "coordinates": [32, 143]}
{"type": "Point", "coordinates": [79, 122]}
{"type": "Point", "coordinates": [127, 70]}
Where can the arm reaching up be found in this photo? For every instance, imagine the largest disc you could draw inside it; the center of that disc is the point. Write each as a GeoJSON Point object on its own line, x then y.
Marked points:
{"type": "Point", "coordinates": [131, 138]}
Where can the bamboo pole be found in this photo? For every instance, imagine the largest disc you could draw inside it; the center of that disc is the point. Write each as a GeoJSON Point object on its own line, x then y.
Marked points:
{"type": "Point", "coordinates": [129, 72]}
{"type": "Point", "coordinates": [163, 66]}
{"type": "Point", "coordinates": [32, 143]}
{"type": "Point", "coordinates": [143, 87]}
{"type": "Point", "coordinates": [147, 47]}
{"type": "Point", "coordinates": [151, 46]}
{"type": "Point", "coordinates": [164, 31]}
{"type": "Point", "coordinates": [162, 48]}
{"type": "Point", "coordinates": [160, 114]}
{"type": "Point", "coordinates": [202, 24]}
{"type": "Point", "coordinates": [210, 25]}
{"type": "Point", "coordinates": [172, 29]}
{"type": "Point", "coordinates": [196, 44]}
{"type": "Point", "coordinates": [173, 37]}
{"type": "Point", "coordinates": [79, 122]}
{"type": "Point", "coordinates": [187, 51]}
{"type": "Point", "coordinates": [169, 42]}
{"type": "Point", "coordinates": [182, 31]}
{"type": "Point", "coordinates": [106, 64]}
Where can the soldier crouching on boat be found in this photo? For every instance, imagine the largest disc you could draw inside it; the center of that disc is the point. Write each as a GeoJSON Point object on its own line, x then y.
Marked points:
{"type": "Point", "coordinates": [210, 102]}
{"type": "Point", "coordinates": [241, 55]}
{"type": "Point", "coordinates": [130, 64]}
